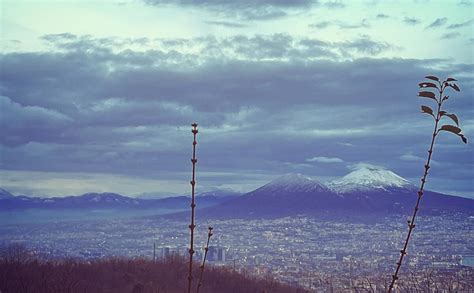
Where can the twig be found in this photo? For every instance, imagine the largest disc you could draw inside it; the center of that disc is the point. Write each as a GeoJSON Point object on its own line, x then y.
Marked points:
{"type": "Point", "coordinates": [206, 249]}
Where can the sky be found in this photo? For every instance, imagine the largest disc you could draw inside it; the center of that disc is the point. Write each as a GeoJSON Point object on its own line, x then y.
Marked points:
{"type": "Point", "coordinates": [99, 96]}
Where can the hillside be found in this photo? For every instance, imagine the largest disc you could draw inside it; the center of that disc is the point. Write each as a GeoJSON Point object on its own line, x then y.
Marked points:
{"type": "Point", "coordinates": [21, 272]}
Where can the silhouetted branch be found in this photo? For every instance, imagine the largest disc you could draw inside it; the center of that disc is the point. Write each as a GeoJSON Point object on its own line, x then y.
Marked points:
{"type": "Point", "coordinates": [440, 88]}
{"type": "Point", "coordinates": [206, 249]}
{"type": "Point", "coordinates": [193, 206]}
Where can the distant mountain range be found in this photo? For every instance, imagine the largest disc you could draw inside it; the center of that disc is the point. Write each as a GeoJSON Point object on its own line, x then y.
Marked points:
{"type": "Point", "coordinates": [361, 192]}
{"type": "Point", "coordinates": [107, 201]}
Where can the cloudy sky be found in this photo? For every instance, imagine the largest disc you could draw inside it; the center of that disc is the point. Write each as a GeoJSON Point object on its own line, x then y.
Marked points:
{"type": "Point", "coordinates": [100, 95]}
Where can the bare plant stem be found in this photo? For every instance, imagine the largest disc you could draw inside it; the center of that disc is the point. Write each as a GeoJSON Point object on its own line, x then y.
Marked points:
{"type": "Point", "coordinates": [206, 249]}
{"type": "Point", "coordinates": [193, 206]}
{"type": "Point", "coordinates": [411, 223]}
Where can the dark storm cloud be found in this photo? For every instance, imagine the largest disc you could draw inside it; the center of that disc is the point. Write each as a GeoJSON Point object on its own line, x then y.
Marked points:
{"type": "Point", "coordinates": [266, 104]}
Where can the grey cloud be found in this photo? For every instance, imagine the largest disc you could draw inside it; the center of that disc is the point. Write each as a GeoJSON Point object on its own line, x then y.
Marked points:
{"type": "Point", "coordinates": [128, 112]}
{"type": "Point", "coordinates": [449, 36]}
{"type": "Point", "coordinates": [68, 41]}
{"type": "Point", "coordinates": [236, 3]}
{"type": "Point", "coordinates": [168, 52]}
{"type": "Point", "coordinates": [465, 3]}
{"type": "Point", "coordinates": [252, 9]}
{"type": "Point", "coordinates": [382, 16]}
{"type": "Point", "coordinates": [336, 4]}
{"type": "Point", "coordinates": [21, 123]}
{"type": "Point", "coordinates": [365, 45]}
{"type": "Point", "coordinates": [245, 9]}
{"type": "Point", "coordinates": [362, 24]}
{"type": "Point", "coordinates": [411, 20]}
{"type": "Point", "coordinates": [259, 47]}
{"type": "Point", "coordinates": [460, 25]}
{"type": "Point", "coordinates": [227, 24]}
{"type": "Point", "coordinates": [267, 13]}
{"type": "Point", "coordinates": [325, 160]}
{"type": "Point", "coordinates": [341, 24]}
{"type": "Point", "coordinates": [321, 24]}
{"type": "Point", "coordinates": [414, 158]}
{"type": "Point", "coordinates": [438, 22]}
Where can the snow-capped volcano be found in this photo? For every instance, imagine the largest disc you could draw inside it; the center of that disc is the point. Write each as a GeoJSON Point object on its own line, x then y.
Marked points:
{"type": "Point", "coordinates": [369, 178]}
{"type": "Point", "coordinates": [295, 183]}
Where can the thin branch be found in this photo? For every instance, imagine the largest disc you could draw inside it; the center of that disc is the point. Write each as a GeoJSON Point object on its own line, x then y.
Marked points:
{"type": "Point", "coordinates": [411, 222]}
{"type": "Point", "coordinates": [206, 249]}
{"type": "Point", "coordinates": [193, 206]}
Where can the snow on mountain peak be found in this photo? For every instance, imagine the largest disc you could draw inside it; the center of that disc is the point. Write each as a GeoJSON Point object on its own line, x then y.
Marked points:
{"type": "Point", "coordinates": [367, 178]}
{"type": "Point", "coordinates": [295, 183]}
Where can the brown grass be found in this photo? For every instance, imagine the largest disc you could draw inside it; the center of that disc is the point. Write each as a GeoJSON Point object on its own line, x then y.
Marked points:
{"type": "Point", "coordinates": [23, 272]}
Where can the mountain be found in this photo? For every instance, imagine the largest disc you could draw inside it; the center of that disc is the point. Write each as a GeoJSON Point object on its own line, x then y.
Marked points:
{"type": "Point", "coordinates": [370, 179]}
{"type": "Point", "coordinates": [366, 191]}
{"type": "Point", "coordinates": [5, 194]}
{"type": "Point", "coordinates": [219, 193]}
{"type": "Point", "coordinates": [156, 195]}
{"type": "Point", "coordinates": [211, 193]}
{"type": "Point", "coordinates": [286, 195]}
{"type": "Point", "coordinates": [292, 183]}
{"type": "Point", "coordinates": [103, 201]}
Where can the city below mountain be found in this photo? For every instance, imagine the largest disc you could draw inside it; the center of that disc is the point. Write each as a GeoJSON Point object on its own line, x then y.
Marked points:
{"type": "Point", "coordinates": [361, 192]}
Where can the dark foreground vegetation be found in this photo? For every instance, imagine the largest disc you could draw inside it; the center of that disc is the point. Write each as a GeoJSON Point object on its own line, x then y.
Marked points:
{"type": "Point", "coordinates": [21, 271]}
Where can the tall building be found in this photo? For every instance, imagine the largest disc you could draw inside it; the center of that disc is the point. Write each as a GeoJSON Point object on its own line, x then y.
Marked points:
{"type": "Point", "coordinates": [212, 253]}
{"type": "Point", "coordinates": [165, 252]}
{"type": "Point", "coordinates": [221, 254]}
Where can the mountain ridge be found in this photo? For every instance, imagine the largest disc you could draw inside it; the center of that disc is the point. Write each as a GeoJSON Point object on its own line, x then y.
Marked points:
{"type": "Point", "coordinates": [106, 200]}
{"type": "Point", "coordinates": [365, 190]}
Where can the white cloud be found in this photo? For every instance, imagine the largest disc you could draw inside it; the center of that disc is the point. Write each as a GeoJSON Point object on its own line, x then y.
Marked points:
{"type": "Point", "coordinates": [325, 160]}
{"type": "Point", "coordinates": [410, 157]}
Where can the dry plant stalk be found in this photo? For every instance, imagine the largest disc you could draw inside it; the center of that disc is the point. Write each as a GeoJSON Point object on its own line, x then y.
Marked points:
{"type": "Point", "coordinates": [193, 206]}
{"type": "Point", "coordinates": [439, 87]}
{"type": "Point", "coordinates": [206, 249]}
